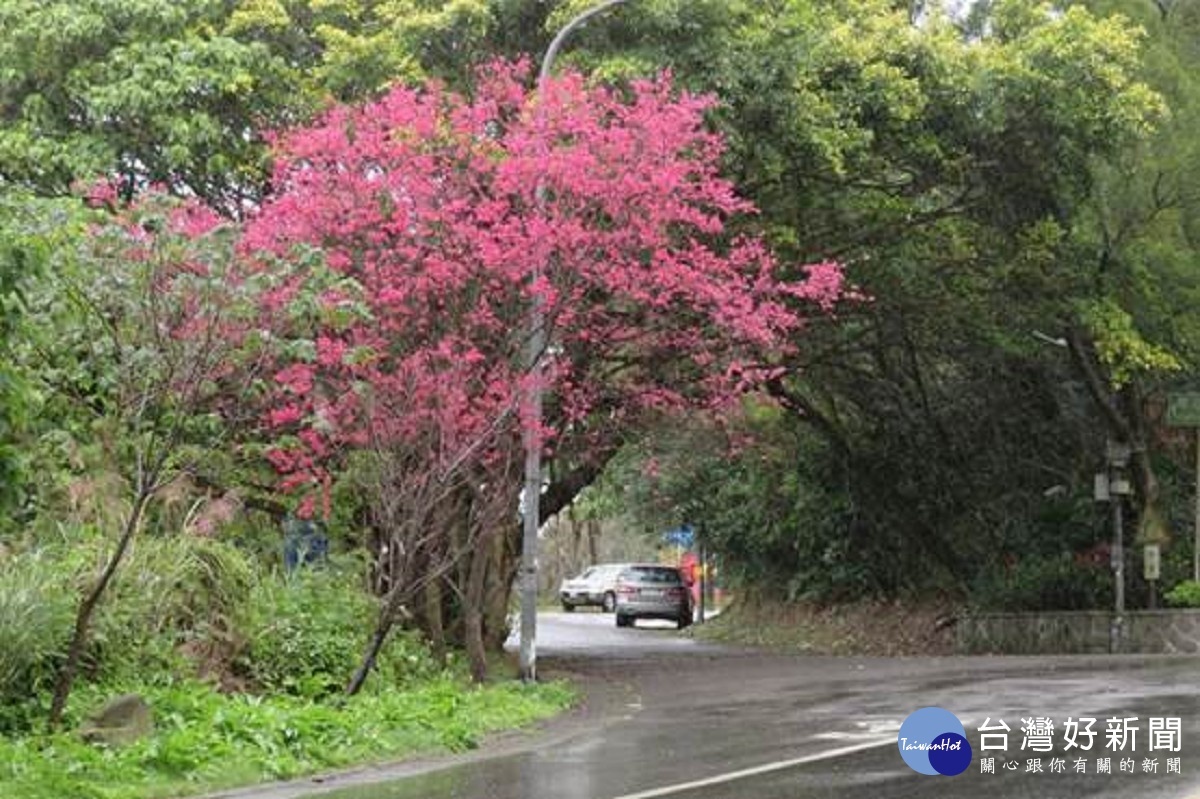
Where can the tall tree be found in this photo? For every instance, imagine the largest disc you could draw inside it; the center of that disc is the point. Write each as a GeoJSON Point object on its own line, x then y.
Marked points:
{"type": "Point", "coordinates": [180, 93]}
{"type": "Point", "coordinates": [128, 342]}
{"type": "Point", "coordinates": [409, 240]}
{"type": "Point", "coordinates": [1129, 322]}
{"type": "Point", "coordinates": [950, 165]}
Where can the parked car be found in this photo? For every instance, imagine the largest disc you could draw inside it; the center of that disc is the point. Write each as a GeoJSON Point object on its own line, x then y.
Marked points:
{"type": "Point", "coordinates": [650, 591]}
{"type": "Point", "coordinates": [596, 586]}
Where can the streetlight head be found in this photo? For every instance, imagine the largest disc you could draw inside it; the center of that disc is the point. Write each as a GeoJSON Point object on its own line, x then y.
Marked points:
{"type": "Point", "coordinates": [1040, 336]}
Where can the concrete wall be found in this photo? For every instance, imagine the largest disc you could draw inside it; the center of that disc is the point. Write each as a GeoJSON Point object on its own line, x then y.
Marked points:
{"type": "Point", "coordinates": [1079, 632]}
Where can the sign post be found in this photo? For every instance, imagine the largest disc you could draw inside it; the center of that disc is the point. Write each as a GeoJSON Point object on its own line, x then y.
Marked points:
{"type": "Point", "coordinates": [1183, 410]}
{"type": "Point", "coordinates": [682, 537]}
{"type": "Point", "coordinates": [1151, 568]}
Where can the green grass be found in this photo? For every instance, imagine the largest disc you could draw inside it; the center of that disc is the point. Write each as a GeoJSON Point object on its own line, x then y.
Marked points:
{"type": "Point", "coordinates": [206, 741]}
{"type": "Point", "coordinates": [286, 642]}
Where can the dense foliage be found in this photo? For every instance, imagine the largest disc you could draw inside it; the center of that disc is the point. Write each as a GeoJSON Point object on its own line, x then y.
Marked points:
{"type": "Point", "coordinates": [993, 184]}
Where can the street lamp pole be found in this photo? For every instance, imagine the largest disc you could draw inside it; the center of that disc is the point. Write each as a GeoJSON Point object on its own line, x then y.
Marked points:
{"type": "Point", "coordinates": [1118, 454]}
{"type": "Point", "coordinates": [533, 417]}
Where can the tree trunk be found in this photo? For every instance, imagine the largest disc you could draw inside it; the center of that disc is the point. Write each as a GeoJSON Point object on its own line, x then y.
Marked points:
{"type": "Point", "coordinates": [87, 609]}
{"type": "Point", "coordinates": [383, 626]}
{"type": "Point", "coordinates": [505, 564]}
{"type": "Point", "coordinates": [434, 624]}
{"type": "Point", "coordinates": [593, 528]}
{"type": "Point", "coordinates": [1151, 525]}
{"type": "Point", "coordinates": [1124, 416]}
{"type": "Point", "coordinates": [473, 600]}
{"type": "Point", "coordinates": [576, 536]}
{"type": "Point", "coordinates": [378, 548]}
{"type": "Point", "coordinates": [476, 653]}
{"type": "Point", "coordinates": [458, 539]}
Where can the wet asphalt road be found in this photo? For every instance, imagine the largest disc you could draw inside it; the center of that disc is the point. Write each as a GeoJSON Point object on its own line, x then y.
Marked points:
{"type": "Point", "coordinates": [675, 718]}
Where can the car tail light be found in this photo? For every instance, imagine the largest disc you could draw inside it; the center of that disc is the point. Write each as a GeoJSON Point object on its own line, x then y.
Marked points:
{"type": "Point", "coordinates": [625, 589]}
{"type": "Point", "coordinates": [674, 593]}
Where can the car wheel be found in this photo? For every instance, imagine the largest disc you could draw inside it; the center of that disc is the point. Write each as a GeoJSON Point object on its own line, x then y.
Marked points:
{"type": "Point", "coordinates": [624, 621]}
{"type": "Point", "coordinates": [610, 602]}
{"type": "Point", "coordinates": [684, 620]}
{"type": "Point", "coordinates": [568, 607]}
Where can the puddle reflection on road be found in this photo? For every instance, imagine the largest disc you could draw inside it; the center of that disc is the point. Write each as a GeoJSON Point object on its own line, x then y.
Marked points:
{"type": "Point", "coordinates": [495, 779]}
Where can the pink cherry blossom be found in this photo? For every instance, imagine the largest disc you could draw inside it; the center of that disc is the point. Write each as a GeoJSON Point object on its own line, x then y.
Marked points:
{"type": "Point", "coordinates": [424, 210]}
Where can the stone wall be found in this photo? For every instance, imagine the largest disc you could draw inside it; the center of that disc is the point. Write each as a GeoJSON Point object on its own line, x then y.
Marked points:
{"type": "Point", "coordinates": [1079, 632]}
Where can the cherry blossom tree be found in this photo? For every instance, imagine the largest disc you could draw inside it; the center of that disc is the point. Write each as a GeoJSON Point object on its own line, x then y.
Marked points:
{"type": "Point", "coordinates": [396, 253]}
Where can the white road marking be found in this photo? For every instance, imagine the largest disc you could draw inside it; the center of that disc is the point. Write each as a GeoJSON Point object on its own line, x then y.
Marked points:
{"type": "Point", "coordinates": [766, 768]}
{"type": "Point", "coordinates": [875, 728]}
{"type": "Point", "coordinates": [867, 730]}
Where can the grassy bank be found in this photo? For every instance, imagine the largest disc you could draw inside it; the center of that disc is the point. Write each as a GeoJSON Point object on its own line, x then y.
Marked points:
{"type": "Point", "coordinates": [868, 628]}
{"type": "Point", "coordinates": [205, 740]}
{"type": "Point", "coordinates": [242, 666]}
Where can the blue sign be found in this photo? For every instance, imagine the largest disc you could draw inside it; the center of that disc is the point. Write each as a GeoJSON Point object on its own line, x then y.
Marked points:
{"type": "Point", "coordinates": [304, 543]}
{"type": "Point", "coordinates": [683, 536]}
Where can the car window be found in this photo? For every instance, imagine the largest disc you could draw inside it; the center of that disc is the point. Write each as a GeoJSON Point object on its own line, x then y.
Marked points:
{"type": "Point", "coordinates": [588, 573]}
{"type": "Point", "coordinates": [653, 574]}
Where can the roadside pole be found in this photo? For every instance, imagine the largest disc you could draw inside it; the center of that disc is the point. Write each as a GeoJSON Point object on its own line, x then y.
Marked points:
{"type": "Point", "coordinates": [703, 580]}
{"type": "Point", "coordinates": [1112, 486]}
{"type": "Point", "coordinates": [1151, 571]}
{"type": "Point", "coordinates": [533, 400]}
{"type": "Point", "coordinates": [1118, 560]}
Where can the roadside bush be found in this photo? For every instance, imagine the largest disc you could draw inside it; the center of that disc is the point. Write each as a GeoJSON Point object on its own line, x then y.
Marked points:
{"type": "Point", "coordinates": [171, 590]}
{"type": "Point", "coordinates": [301, 635]}
{"type": "Point", "coordinates": [1184, 595]}
{"type": "Point", "coordinates": [304, 634]}
{"type": "Point", "coordinates": [183, 584]}
{"type": "Point", "coordinates": [1045, 583]}
{"type": "Point", "coordinates": [36, 612]}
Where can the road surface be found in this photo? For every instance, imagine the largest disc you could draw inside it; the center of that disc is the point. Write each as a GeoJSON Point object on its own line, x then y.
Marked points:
{"type": "Point", "coordinates": [671, 717]}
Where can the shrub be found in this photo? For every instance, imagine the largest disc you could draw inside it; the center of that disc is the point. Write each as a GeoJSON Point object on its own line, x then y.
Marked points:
{"type": "Point", "coordinates": [1045, 583]}
{"type": "Point", "coordinates": [184, 584]}
{"type": "Point", "coordinates": [1184, 595]}
{"type": "Point", "coordinates": [36, 612]}
{"type": "Point", "coordinates": [305, 633]}
{"type": "Point", "coordinates": [171, 590]}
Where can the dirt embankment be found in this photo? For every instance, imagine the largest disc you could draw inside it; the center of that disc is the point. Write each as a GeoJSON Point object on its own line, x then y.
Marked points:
{"type": "Point", "coordinates": [867, 628]}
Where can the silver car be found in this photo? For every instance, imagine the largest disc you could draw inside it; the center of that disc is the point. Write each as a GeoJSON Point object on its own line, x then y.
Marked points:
{"type": "Point", "coordinates": [650, 591]}
{"type": "Point", "coordinates": [596, 586]}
